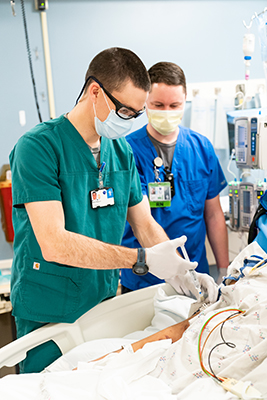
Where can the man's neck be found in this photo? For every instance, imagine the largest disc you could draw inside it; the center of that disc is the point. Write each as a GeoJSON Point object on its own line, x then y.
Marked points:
{"type": "Point", "coordinates": [84, 123]}
{"type": "Point", "coordinates": [162, 138]}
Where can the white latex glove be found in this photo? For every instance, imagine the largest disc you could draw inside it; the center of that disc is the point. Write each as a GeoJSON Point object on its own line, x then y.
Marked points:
{"type": "Point", "coordinates": [164, 262]}
{"type": "Point", "coordinates": [184, 284]}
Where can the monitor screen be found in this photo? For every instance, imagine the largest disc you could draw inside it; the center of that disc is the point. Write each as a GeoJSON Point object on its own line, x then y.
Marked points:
{"type": "Point", "coordinates": [241, 136]}
{"type": "Point", "coordinates": [246, 201]}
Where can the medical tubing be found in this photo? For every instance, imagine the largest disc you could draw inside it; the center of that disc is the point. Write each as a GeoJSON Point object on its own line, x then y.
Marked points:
{"type": "Point", "coordinates": [200, 352]}
{"type": "Point", "coordinates": [201, 364]}
{"type": "Point", "coordinates": [30, 58]}
{"type": "Point", "coordinates": [229, 344]}
{"type": "Point", "coordinates": [230, 160]}
{"type": "Point", "coordinates": [246, 171]}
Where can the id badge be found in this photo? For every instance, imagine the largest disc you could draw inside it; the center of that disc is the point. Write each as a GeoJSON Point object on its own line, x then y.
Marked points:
{"type": "Point", "coordinates": [102, 197]}
{"type": "Point", "coordinates": [159, 194]}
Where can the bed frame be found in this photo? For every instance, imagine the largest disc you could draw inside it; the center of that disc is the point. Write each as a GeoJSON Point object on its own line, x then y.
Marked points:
{"type": "Point", "coordinates": [113, 318]}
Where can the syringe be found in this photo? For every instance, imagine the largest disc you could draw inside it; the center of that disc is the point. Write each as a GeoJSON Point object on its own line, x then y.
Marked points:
{"type": "Point", "coordinates": [193, 275]}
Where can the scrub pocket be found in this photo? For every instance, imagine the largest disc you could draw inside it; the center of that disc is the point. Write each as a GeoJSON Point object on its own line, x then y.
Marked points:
{"type": "Point", "coordinates": [120, 181]}
{"type": "Point", "coordinates": [49, 291]}
{"type": "Point", "coordinates": [196, 194]}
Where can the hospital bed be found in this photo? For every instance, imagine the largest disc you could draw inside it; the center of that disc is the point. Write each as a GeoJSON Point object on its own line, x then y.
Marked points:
{"type": "Point", "coordinates": [113, 318]}
{"type": "Point", "coordinates": [161, 370]}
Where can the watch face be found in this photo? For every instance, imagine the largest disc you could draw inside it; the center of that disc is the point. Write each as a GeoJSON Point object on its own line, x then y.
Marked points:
{"type": "Point", "coordinates": [140, 269]}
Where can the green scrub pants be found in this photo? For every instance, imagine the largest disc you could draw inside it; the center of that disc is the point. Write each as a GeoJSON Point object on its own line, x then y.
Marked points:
{"type": "Point", "coordinates": [41, 356]}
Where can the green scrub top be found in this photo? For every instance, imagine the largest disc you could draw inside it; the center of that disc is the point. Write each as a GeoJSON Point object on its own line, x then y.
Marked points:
{"type": "Point", "coordinates": [53, 162]}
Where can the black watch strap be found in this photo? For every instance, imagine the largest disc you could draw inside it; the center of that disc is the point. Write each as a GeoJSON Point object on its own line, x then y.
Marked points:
{"type": "Point", "coordinates": [140, 267]}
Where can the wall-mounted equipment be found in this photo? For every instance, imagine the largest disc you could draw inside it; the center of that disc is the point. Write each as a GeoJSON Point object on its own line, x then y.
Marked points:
{"type": "Point", "coordinates": [41, 5]}
{"type": "Point", "coordinates": [247, 142]}
{"type": "Point", "coordinates": [262, 143]}
{"type": "Point", "coordinates": [234, 204]}
{"type": "Point", "coordinates": [6, 207]}
{"type": "Point", "coordinates": [248, 204]}
{"type": "Point", "coordinates": [261, 188]}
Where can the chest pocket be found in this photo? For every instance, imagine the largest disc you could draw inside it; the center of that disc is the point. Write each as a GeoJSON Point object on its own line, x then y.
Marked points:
{"type": "Point", "coordinates": [196, 194]}
{"type": "Point", "coordinates": [120, 181]}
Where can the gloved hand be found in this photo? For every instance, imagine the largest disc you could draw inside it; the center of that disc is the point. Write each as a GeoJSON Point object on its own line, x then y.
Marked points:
{"type": "Point", "coordinates": [184, 284]}
{"type": "Point", "coordinates": [164, 262]}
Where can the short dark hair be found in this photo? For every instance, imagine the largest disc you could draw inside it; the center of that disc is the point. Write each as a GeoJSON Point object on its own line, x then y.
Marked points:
{"type": "Point", "coordinates": [168, 73]}
{"type": "Point", "coordinates": [115, 66]}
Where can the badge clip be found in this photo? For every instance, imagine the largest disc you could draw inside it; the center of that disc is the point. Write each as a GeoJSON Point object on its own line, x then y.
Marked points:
{"type": "Point", "coordinates": [157, 164]}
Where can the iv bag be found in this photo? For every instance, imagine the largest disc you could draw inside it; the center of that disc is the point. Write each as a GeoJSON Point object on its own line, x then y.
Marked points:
{"type": "Point", "coordinates": [262, 29]}
{"type": "Point", "coordinates": [261, 20]}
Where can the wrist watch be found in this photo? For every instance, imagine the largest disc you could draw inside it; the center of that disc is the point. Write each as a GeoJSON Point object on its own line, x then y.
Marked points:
{"type": "Point", "coordinates": [140, 267]}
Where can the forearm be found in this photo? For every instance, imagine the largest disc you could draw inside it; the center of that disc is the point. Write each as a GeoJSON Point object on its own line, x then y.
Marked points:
{"type": "Point", "coordinates": [70, 248]}
{"type": "Point", "coordinates": [174, 332]}
{"type": "Point", "coordinates": [146, 230]}
{"type": "Point", "coordinates": [218, 238]}
{"type": "Point", "coordinates": [151, 235]}
{"type": "Point", "coordinates": [80, 251]}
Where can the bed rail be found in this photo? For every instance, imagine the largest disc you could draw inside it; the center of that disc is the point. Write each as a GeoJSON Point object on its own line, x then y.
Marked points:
{"type": "Point", "coordinates": [113, 318]}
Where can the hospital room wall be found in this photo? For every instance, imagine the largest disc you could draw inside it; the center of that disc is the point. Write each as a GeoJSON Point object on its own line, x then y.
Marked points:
{"type": "Point", "coordinates": [203, 37]}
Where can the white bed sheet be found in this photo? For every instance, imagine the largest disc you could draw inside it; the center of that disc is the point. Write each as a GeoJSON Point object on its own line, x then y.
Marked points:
{"type": "Point", "coordinates": [162, 370]}
{"type": "Point", "coordinates": [169, 310]}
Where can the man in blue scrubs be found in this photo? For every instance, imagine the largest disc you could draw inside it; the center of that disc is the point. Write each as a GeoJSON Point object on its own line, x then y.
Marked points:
{"type": "Point", "coordinates": [165, 152]}
{"type": "Point", "coordinates": [74, 183]}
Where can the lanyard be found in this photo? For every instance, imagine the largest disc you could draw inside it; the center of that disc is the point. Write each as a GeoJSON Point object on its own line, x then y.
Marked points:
{"type": "Point", "coordinates": [100, 175]}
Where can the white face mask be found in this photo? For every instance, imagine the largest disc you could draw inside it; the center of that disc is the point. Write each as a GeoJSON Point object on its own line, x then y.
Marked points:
{"type": "Point", "coordinates": [165, 121]}
{"type": "Point", "coordinates": [113, 127]}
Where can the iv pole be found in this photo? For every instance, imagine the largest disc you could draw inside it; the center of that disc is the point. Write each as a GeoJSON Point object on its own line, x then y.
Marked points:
{"type": "Point", "coordinates": [48, 66]}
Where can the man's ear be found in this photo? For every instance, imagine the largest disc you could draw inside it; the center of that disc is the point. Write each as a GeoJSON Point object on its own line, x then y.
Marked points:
{"type": "Point", "coordinates": [93, 91]}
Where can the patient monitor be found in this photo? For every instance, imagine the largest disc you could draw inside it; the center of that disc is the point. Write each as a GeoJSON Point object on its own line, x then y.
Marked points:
{"type": "Point", "coordinates": [234, 204]}
{"type": "Point", "coordinates": [261, 188]}
{"type": "Point", "coordinates": [248, 204]}
{"type": "Point", "coordinates": [251, 141]}
{"type": "Point", "coordinates": [243, 202]}
{"type": "Point", "coordinates": [247, 142]}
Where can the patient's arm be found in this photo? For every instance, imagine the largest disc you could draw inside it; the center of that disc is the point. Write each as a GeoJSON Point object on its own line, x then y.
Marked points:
{"type": "Point", "coordinates": [174, 332]}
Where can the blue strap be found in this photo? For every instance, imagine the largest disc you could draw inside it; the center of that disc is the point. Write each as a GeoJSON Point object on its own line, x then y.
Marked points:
{"type": "Point", "coordinates": [248, 262]}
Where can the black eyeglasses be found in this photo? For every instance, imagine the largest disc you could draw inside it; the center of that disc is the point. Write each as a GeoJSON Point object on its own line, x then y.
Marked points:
{"type": "Point", "coordinates": [122, 111]}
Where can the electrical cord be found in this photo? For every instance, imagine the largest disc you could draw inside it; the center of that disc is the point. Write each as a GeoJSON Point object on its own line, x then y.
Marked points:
{"type": "Point", "coordinates": [30, 58]}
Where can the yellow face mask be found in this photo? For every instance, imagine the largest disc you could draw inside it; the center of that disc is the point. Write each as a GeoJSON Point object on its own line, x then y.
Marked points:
{"type": "Point", "coordinates": [165, 121]}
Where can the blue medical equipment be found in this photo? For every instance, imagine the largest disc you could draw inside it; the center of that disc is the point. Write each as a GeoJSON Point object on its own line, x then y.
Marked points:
{"type": "Point", "coordinates": [258, 227]}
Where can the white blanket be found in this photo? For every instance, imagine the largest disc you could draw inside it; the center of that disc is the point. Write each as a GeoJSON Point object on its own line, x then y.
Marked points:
{"type": "Point", "coordinates": [162, 370]}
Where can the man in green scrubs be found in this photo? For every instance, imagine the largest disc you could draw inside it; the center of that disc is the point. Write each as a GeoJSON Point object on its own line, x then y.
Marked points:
{"type": "Point", "coordinates": [75, 183]}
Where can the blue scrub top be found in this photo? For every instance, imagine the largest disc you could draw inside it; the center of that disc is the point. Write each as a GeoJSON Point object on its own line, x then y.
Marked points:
{"type": "Point", "coordinates": [197, 177]}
